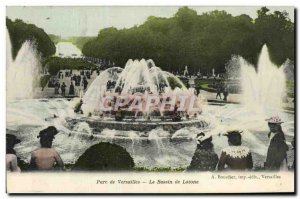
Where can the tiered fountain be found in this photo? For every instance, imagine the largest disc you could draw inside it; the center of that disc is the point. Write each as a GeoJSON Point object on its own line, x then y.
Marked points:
{"type": "Point", "coordinates": [135, 84]}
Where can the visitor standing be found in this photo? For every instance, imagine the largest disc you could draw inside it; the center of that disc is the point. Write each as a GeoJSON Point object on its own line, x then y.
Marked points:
{"type": "Point", "coordinates": [63, 89]}
{"type": "Point", "coordinates": [57, 86]}
{"type": "Point", "coordinates": [78, 80]}
{"type": "Point", "coordinates": [225, 92]}
{"type": "Point", "coordinates": [85, 83]}
{"type": "Point", "coordinates": [71, 89]}
{"type": "Point", "coordinates": [219, 90]}
{"type": "Point", "coordinates": [276, 155]}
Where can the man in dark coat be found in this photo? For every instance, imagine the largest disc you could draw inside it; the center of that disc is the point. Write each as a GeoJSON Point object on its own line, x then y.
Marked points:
{"type": "Point", "coordinates": [205, 158]}
{"type": "Point", "coordinates": [56, 89]}
{"type": "Point", "coordinates": [219, 90]}
{"type": "Point", "coordinates": [276, 155]}
{"type": "Point", "coordinates": [85, 83]}
{"type": "Point", "coordinates": [225, 92]}
{"type": "Point", "coordinates": [63, 89]}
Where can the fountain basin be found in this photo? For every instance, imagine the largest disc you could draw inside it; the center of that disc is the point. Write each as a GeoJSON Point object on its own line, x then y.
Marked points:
{"type": "Point", "coordinates": [142, 125]}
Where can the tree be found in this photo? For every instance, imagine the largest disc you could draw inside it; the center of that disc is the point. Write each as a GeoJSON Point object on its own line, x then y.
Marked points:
{"type": "Point", "coordinates": [277, 31]}
{"type": "Point", "coordinates": [202, 42]}
{"type": "Point", "coordinates": [186, 18]}
{"type": "Point", "coordinates": [20, 32]}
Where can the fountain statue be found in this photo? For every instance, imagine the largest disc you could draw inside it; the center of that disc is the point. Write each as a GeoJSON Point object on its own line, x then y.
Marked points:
{"type": "Point", "coordinates": [140, 92]}
{"type": "Point", "coordinates": [213, 72]}
{"type": "Point", "coordinates": [186, 72]}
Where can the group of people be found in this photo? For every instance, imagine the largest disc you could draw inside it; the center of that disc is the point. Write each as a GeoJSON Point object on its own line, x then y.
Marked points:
{"type": "Point", "coordinates": [110, 85]}
{"type": "Point", "coordinates": [68, 73]}
{"type": "Point", "coordinates": [75, 81]}
{"type": "Point", "coordinates": [233, 157]}
{"type": "Point", "coordinates": [239, 157]}
{"type": "Point", "coordinates": [60, 75]}
{"type": "Point", "coordinates": [86, 73]}
{"type": "Point", "coordinates": [44, 158]}
{"type": "Point", "coordinates": [61, 89]}
{"type": "Point", "coordinates": [222, 89]}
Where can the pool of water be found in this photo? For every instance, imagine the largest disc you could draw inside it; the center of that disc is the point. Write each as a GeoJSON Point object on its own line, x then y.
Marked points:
{"type": "Point", "coordinates": [157, 148]}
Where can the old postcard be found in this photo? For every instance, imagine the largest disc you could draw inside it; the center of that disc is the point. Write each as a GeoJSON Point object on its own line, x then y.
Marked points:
{"type": "Point", "coordinates": [150, 99]}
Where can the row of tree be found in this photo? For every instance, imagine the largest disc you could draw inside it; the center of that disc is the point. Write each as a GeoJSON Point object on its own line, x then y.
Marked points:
{"type": "Point", "coordinates": [20, 32]}
{"type": "Point", "coordinates": [203, 41]}
{"type": "Point", "coordinates": [80, 41]}
{"type": "Point", "coordinates": [77, 41]}
{"type": "Point", "coordinates": [55, 38]}
{"type": "Point", "coordinates": [54, 64]}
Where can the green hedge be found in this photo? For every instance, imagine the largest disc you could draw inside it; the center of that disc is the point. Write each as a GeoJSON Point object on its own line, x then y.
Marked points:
{"type": "Point", "coordinates": [54, 64]}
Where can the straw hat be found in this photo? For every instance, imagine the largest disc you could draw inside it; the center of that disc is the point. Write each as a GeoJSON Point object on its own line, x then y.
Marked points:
{"type": "Point", "coordinates": [274, 120]}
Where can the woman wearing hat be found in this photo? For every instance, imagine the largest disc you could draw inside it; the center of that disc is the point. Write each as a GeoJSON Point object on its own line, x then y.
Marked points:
{"type": "Point", "coordinates": [276, 155]}
{"type": "Point", "coordinates": [205, 158]}
{"type": "Point", "coordinates": [235, 156]}
{"type": "Point", "coordinates": [11, 158]}
{"type": "Point", "coordinates": [46, 158]}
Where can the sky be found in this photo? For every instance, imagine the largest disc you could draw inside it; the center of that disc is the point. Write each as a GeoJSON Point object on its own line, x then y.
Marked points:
{"type": "Point", "coordinates": [68, 21]}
